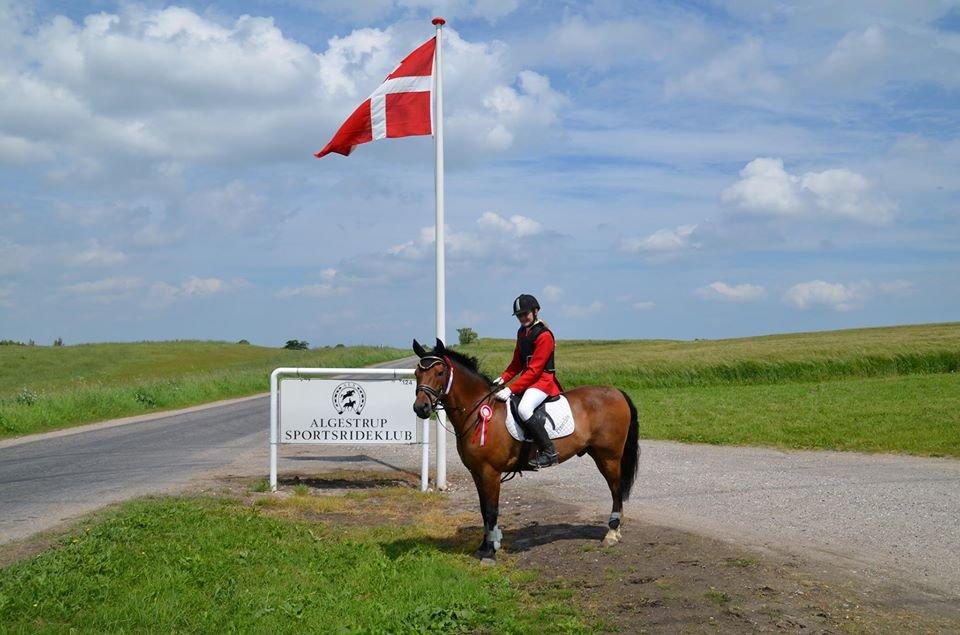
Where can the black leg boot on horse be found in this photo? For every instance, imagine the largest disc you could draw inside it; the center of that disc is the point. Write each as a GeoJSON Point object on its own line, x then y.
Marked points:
{"type": "Point", "coordinates": [537, 426]}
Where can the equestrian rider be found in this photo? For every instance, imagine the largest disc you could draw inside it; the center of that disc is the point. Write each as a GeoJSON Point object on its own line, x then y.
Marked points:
{"type": "Point", "coordinates": [533, 362]}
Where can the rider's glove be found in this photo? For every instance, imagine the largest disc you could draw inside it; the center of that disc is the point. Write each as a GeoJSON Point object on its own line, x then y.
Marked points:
{"type": "Point", "coordinates": [503, 394]}
{"type": "Point", "coordinates": [498, 381]}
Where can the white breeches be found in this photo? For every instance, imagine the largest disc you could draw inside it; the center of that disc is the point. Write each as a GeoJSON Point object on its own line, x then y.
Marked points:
{"type": "Point", "coordinates": [532, 397]}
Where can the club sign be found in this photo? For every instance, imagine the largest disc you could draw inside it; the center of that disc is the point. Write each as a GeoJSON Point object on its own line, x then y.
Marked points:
{"type": "Point", "coordinates": [347, 411]}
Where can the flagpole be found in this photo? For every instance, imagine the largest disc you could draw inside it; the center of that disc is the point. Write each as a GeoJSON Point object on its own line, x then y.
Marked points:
{"type": "Point", "coordinates": [441, 283]}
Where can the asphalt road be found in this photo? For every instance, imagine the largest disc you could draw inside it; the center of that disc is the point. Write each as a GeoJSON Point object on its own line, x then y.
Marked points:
{"type": "Point", "coordinates": [60, 476]}
{"type": "Point", "coordinates": [876, 514]}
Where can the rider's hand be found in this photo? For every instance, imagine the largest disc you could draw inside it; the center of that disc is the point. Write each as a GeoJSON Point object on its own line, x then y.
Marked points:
{"type": "Point", "coordinates": [498, 381]}
{"type": "Point", "coordinates": [503, 394]}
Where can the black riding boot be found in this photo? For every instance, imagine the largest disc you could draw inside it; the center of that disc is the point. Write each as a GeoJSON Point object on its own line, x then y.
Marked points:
{"type": "Point", "coordinates": [547, 455]}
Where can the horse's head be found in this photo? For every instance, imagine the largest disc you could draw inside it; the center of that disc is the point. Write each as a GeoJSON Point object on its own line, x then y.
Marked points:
{"type": "Point", "coordinates": [434, 375]}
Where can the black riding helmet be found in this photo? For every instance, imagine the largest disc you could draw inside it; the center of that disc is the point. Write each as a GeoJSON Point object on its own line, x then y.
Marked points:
{"type": "Point", "coordinates": [524, 303]}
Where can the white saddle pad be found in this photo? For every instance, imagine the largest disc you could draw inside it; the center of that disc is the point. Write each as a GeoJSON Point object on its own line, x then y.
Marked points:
{"type": "Point", "coordinates": [559, 420]}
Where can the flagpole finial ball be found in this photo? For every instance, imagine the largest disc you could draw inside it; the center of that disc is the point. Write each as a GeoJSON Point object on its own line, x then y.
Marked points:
{"type": "Point", "coordinates": [438, 21]}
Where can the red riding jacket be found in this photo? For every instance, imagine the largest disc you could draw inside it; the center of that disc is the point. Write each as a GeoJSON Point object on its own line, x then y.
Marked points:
{"type": "Point", "coordinates": [535, 366]}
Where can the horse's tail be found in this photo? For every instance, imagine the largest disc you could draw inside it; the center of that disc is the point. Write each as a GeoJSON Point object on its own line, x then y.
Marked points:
{"type": "Point", "coordinates": [631, 452]}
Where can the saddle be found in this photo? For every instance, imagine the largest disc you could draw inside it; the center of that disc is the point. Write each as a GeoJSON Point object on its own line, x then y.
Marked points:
{"type": "Point", "coordinates": [515, 405]}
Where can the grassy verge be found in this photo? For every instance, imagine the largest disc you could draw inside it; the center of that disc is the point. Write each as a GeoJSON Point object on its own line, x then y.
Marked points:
{"type": "Point", "coordinates": [914, 414]}
{"type": "Point", "coordinates": [886, 389]}
{"type": "Point", "coordinates": [45, 388]}
{"type": "Point", "coordinates": [224, 565]}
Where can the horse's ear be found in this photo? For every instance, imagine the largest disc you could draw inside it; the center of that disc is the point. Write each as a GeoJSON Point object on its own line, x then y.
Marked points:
{"type": "Point", "coordinates": [418, 348]}
{"type": "Point", "coordinates": [440, 347]}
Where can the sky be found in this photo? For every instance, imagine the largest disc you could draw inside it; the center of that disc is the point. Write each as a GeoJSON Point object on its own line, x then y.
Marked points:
{"type": "Point", "coordinates": [689, 169]}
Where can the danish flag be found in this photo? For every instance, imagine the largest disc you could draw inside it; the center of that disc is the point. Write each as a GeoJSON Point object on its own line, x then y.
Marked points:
{"type": "Point", "coordinates": [400, 107]}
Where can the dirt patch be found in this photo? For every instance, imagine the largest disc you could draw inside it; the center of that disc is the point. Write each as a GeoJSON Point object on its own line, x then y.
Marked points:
{"type": "Point", "coordinates": [660, 579]}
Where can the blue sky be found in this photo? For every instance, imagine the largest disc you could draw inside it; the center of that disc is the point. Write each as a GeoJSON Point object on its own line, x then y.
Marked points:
{"type": "Point", "coordinates": [648, 170]}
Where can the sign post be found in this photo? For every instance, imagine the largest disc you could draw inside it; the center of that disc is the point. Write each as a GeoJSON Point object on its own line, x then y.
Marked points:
{"type": "Point", "coordinates": [344, 406]}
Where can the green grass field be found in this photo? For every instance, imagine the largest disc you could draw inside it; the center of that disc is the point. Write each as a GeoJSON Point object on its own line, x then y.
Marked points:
{"type": "Point", "coordinates": [218, 565]}
{"type": "Point", "coordinates": [891, 389]}
{"type": "Point", "coordinates": [883, 389]}
{"type": "Point", "coordinates": [44, 388]}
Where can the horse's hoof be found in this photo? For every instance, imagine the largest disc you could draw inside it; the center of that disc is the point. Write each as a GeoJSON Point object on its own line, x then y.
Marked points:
{"type": "Point", "coordinates": [612, 538]}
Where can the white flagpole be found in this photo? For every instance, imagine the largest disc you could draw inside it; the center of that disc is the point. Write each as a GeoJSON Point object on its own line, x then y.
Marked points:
{"type": "Point", "coordinates": [441, 294]}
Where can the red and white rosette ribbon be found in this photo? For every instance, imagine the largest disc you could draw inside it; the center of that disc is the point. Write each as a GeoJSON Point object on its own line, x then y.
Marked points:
{"type": "Point", "coordinates": [486, 413]}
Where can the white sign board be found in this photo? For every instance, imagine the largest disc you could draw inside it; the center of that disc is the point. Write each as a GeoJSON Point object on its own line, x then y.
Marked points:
{"type": "Point", "coordinates": [347, 411]}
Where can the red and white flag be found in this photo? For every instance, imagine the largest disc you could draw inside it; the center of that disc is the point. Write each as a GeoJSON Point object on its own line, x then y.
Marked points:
{"type": "Point", "coordinates": [400, 107]}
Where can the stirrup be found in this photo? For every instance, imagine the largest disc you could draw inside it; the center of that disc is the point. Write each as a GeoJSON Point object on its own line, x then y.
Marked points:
{"type": "Point", "coordinates": [544, 459]}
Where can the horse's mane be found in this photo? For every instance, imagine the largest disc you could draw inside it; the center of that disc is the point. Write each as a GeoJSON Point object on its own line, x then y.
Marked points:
{"type": "Point", "coordinates": [468, 362]}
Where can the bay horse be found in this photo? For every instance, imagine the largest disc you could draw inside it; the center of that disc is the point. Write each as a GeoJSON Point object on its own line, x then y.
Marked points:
{"type": "Point", "coordinates": [606, 429]}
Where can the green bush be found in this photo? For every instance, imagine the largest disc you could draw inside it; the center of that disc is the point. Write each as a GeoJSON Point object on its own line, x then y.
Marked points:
{"type": "Point", "coordinates": [467, 335]}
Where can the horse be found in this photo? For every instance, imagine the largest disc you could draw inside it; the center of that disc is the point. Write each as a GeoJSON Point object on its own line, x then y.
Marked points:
{"type": "Point", "coordinates": [606, 429]}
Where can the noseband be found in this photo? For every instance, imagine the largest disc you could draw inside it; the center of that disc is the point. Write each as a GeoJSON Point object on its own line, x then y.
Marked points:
{"type": "Point", "coordinates": [436, 396]}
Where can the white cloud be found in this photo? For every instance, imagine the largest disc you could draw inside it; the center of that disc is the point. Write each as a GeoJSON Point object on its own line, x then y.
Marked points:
{"type": "Point", "coordinates": [14, 257]}
{"type": "Point", "coordinates": [644, 306]}
{"type": "Point", "coordinates": [663, 243]}
{"type": "Point", "coordinates": [896, 287]}
{"type": "Point", "coordinates": [105, 287]}
{"type": "Point", "coordinates": [238, 208]}
{"type": "Point", "coordinates": [311, 291]}
{"type": "Point", "coordinates": [418, 248]}
{"type": "Point", "coordinates": [833, 295]}
{"type": "Point", "coordinates": [856, 50]}
{"type": "Point", "coordinates": [20, 151]}
{"type": "Point", "coordinates": [847, 194]}
{"type": "Point", "coordinates": [602, 42]}
{"type": "Point", "coordinates": [516, 226]}
{"type": "Point", "coordinates": [162, 294]}
{"type": "Point", "coordinates": [877, 55]}
{"type": "Point", "coordinates": [487, 244]}
{"type": "Point", "coordinates": [524, 108]}
{"type": "Point", "coordinates": [157, 85]}
{"type": "Point", "coordinates": [97, 255]}
{"type": "Point", "coordinates": [330, 285]}
{"type": "Point", "coordinates": [733, 293]}
{"type": "Point", "coordinates": [839, 296]}
{"type": "Point", "coordinates": [739, 73]}
{"type": "Point", "coordinates": [375, 10]}
{"type": "Point", "coordinates": [195, 286]}
{"type": "Point", "coordinates": [552, 293]}
{"type": "Point", "coordinates": [581, 311]}
{"type": "Point", "coordinates": [766, 188]}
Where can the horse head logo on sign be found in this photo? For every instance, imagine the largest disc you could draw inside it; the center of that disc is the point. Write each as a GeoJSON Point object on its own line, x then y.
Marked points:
{"type": "Point", "coordinates": [349, 396]}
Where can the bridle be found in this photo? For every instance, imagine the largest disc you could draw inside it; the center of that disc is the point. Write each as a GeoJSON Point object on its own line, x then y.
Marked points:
{"type": "Point", "coordinates": [437, 396]}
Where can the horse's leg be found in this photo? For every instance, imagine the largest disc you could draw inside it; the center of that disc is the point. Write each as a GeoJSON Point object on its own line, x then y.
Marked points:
{"type": "Point", "coordinates": [488, 488]}
{"type": "Point", "coordinates": [609, 466]}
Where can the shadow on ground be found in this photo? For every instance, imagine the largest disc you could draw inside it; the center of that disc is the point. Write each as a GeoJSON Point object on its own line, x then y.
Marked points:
{"type": "Point", "coordinates": [467, 538]}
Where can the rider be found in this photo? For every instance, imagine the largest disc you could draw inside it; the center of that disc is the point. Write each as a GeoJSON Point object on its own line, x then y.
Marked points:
{"type": "Point", "coordinates": [533, 361]}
